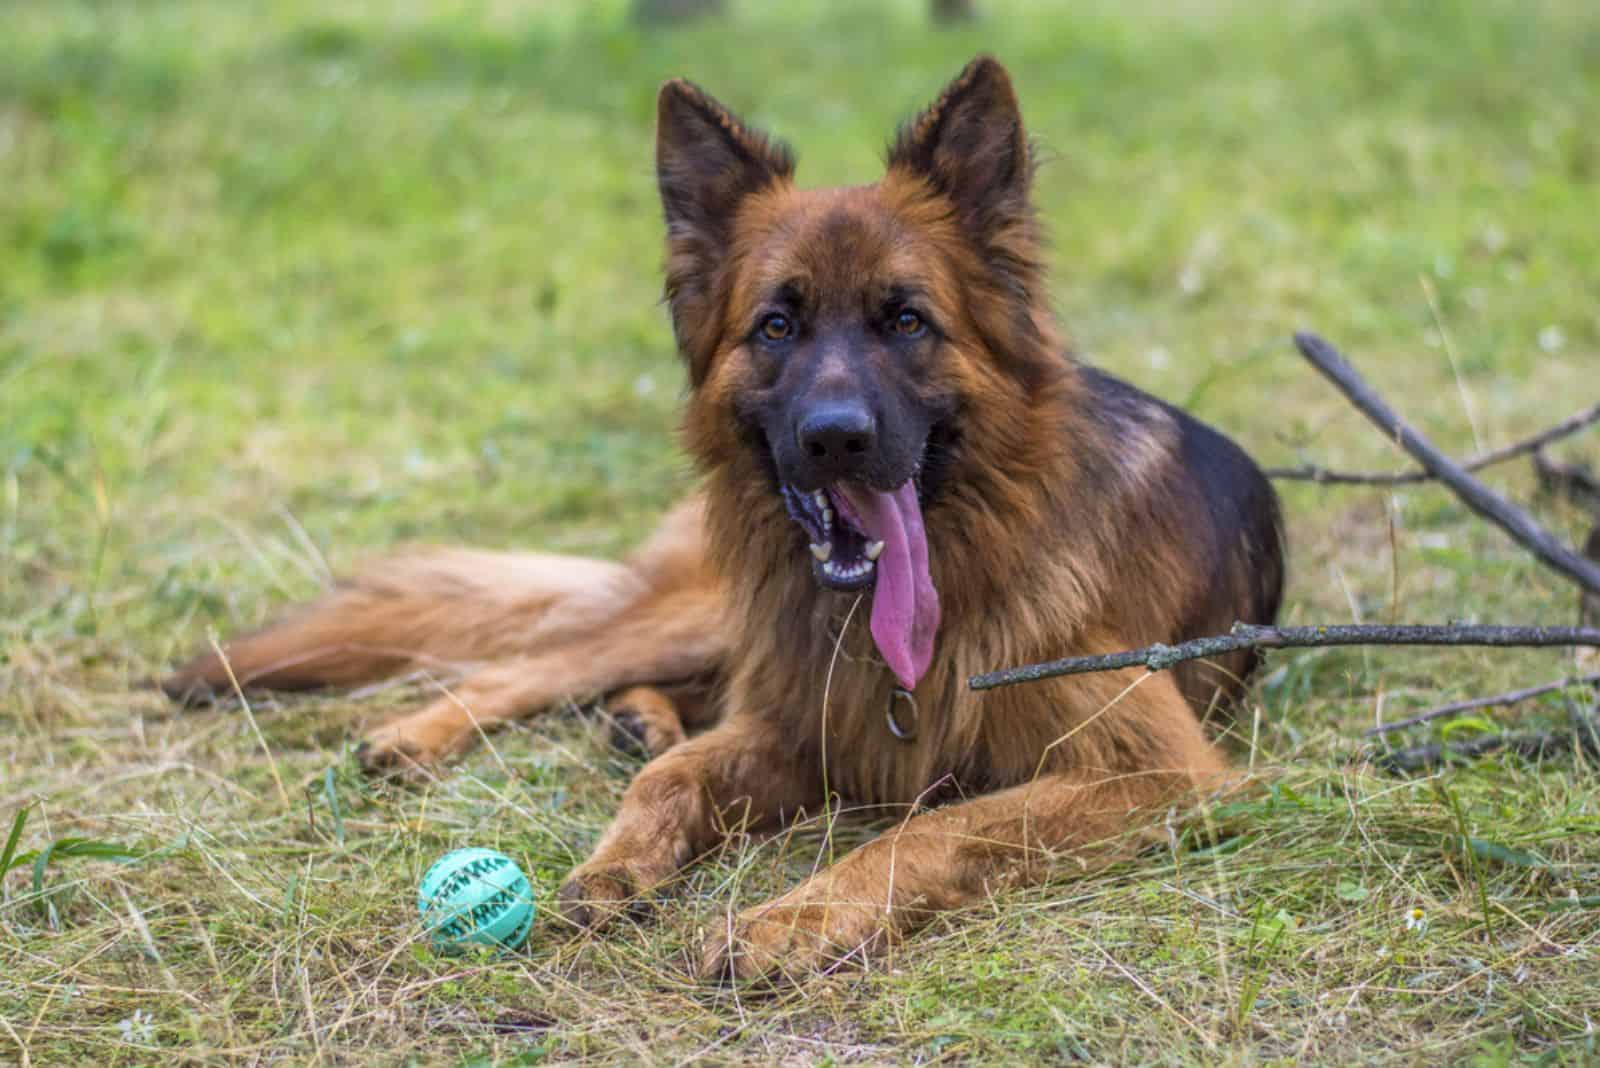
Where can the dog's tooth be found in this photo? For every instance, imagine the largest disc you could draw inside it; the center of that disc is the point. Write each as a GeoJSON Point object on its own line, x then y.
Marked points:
{"type": "Point", "coordinates": [822, 551]}
{"type": "Point", "coordinates": [874, 550]}
{"type": "Point", "coordinates": [819, 499]}
{"type": "Point", "coordinates": [827, 515]}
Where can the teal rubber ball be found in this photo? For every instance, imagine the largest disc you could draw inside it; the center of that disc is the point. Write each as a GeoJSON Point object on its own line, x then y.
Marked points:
{"type": "Point", "coordinates": [476, 896]}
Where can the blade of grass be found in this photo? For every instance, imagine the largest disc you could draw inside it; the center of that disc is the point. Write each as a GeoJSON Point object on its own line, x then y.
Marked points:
{"type": "Point", "coordinates": [1454, 806]}
{"type": "Point", "coordinates": [10, 850]}
{"type": "Point", "coordinates": [91, 848]}
{"type": "Point", "coordinates": [331, 794]}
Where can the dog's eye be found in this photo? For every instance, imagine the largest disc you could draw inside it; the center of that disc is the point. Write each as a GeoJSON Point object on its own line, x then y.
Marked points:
{"type": "Point", "coordinates": [909, 324]}
{"type": "Point", "coordinates": [776, 327]}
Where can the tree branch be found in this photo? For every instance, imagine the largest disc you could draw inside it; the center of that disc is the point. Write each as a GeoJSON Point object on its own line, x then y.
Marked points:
{"type": "Point", "coordinates": [1511, 698]}
{"type": "Point", "coordinates": [1480, 498]}
{"type": "Point", "coordinates": [1572, 481]}
{"type": "Point", "coordinates": [1531, 745]}
{"type": "Point", "coordinates": [1159, 657]}
{"type": "Point", "coordinates": [1566, 428]}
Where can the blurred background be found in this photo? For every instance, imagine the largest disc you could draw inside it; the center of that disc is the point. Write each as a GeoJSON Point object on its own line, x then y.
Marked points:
{"type": "Point", "coordinates": [390, 270]}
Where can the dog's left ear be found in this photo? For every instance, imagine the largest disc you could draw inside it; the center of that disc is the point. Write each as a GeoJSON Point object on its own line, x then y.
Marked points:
{"type": "Point", "coordinates": [969, 146]}
{"type": "Point", "coordinates": [707, 162]}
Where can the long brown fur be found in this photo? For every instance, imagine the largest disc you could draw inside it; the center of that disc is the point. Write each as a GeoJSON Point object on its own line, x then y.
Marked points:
{"type": "Point", "coordinates": [1076, 515]}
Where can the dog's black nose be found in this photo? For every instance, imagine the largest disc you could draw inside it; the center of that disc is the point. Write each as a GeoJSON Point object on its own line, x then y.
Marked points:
{"type": "Point", "coordinates": [838, 438]}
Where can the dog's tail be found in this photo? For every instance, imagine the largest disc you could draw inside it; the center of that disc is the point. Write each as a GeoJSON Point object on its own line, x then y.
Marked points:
{"type": "Point", "coordinates": [428, 608]}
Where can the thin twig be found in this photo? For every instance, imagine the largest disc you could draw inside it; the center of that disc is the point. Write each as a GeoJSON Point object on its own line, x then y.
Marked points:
{"type": "Point", "coordinates": [1584, 736]}
{"type": "Point", "coordinates": [1159, 657]}
{"type": "Point", "coordinates": [1589, 602]}
{"type": "Point", "coordinates": [1510, 698]}
{"type": "Point", "coordinates": [1566, 428]}
{"type": "Point", "coordinates": [1480, 498]}
{"type": "Point", "coordinates": [1575, 482]}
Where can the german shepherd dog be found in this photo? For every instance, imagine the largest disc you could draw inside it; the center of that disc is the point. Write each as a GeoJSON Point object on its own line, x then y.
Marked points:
{"type": "Point", "coordinates": [907, 481]}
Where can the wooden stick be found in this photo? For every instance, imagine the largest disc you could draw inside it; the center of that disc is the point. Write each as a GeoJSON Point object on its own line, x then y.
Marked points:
{"type": "Point", "coordinates": [1567, 427]}
{"type": "Point", "coordinates": [1480, 498]}
{"type": "Point", "coordinates": [1159, 657]}
{"type": "Point", "coordinates": [1532, 745]}
{"type": "Point", "coordinates": [1511, 698]}
{"type": "Point", "coordinates": [1572, 481]}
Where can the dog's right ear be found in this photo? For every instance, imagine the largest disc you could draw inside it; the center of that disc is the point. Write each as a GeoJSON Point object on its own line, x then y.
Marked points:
{"type": "Point", "coordinates": [707, 161]}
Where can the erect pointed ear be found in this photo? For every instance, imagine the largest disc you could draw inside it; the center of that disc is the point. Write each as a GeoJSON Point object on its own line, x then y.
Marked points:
{"type": "Point", "coordinates": [707, 161]}
{"type": "Point", "coordinates": [969, 145]}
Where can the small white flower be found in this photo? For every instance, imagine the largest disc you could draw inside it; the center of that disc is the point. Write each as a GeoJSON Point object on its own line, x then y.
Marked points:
{"type": "Point", "coordinates": [1551, 339]}
{"type": "Point", "coordinates": [138, 1029]}
{"type": "Point", "coordinates": [1416, 920]}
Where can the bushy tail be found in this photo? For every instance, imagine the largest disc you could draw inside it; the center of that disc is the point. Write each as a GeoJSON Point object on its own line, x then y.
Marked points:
{"type": "Point", "coordinates": [437, 607]}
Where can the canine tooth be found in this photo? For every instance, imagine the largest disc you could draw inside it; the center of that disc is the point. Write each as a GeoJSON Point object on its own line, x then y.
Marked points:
{"type": "Point", "coordinates": [819, 498]}
{"type": "Point", "coordinates": [874, 550]}
{"type": "Point", "coordinates": [827, 515]}
{"type": "Point", "coordinates": [823, 551]}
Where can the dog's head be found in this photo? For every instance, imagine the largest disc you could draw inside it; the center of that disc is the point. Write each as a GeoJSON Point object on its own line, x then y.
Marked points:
{"type": "Point", "coordinates": [839, 335]}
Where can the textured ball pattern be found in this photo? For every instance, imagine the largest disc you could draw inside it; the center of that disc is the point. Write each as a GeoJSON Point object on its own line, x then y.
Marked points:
{"type": "Point", "coordinates": [476, 895]}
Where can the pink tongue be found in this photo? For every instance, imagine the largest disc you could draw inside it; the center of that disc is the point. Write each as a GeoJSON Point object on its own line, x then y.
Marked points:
{"type": "Point", "coordinates": [905, 606]}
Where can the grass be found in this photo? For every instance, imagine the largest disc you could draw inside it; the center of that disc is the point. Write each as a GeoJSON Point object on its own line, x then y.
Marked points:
{"type": "Point", "coordinates": [285, 284]}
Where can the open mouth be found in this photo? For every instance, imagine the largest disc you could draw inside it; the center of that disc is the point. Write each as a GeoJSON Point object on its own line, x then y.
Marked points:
{"type": "Point", "coordinates": [844, 555]}
{"type": "Point", "coordinates": [860, 537]}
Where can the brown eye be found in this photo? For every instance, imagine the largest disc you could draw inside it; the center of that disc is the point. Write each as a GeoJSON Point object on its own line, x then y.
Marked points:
{"type": "Point", "coordinates": [776, 328]}
{"type": "Point", "coordinates": [909, 324]}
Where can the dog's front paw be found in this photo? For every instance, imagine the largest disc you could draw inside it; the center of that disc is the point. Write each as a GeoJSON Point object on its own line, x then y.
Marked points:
{"type": "Point", "coordinates": [784, 941]}
{"type": "Point", "coordinates": [595, 895]}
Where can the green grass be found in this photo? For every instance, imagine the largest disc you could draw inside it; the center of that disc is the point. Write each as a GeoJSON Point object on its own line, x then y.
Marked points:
{"type": "Point", "coordinates": [284, 284]}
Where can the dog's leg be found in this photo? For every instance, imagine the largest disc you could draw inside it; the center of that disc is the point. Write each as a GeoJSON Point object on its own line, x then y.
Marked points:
{"type": "Point", "coordinates": [675, 636]}
{"type": "Point", "coordinates": [952, 857]}
{"type": "Point", "coordinates": [645, 719]}
{"type": "Point", "coordinates": [742, 774]}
